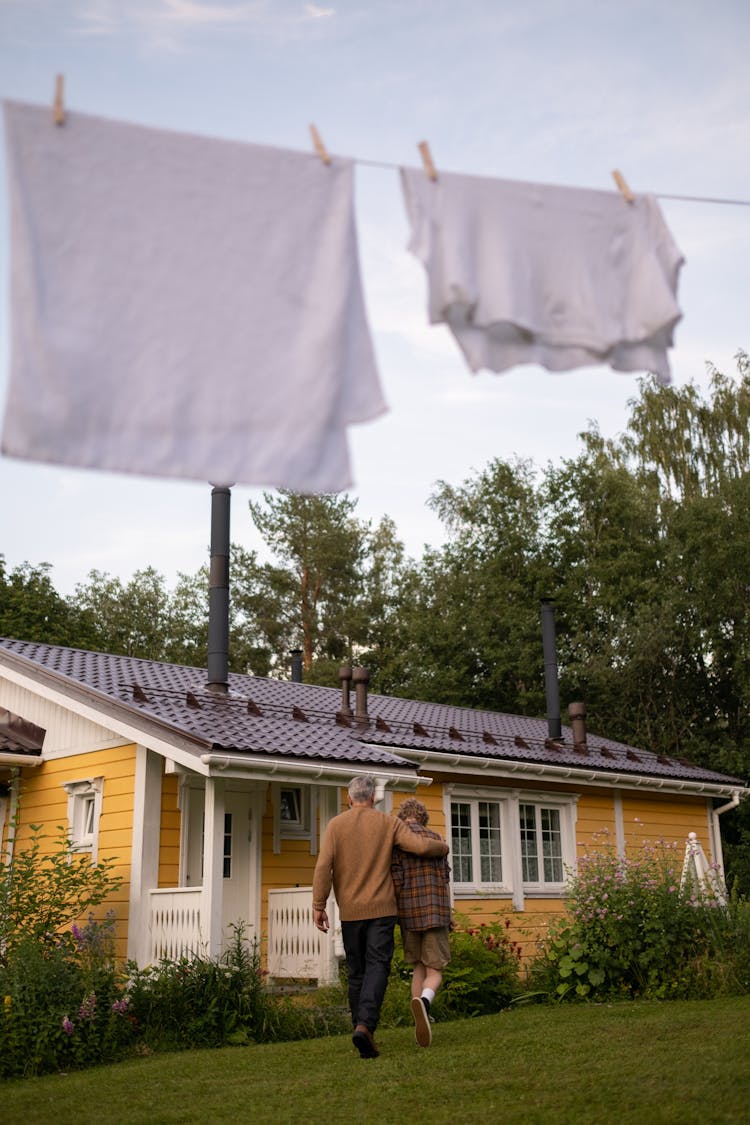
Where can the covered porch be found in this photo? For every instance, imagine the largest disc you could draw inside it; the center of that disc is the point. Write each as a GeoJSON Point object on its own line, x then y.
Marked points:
{"type": "Point", "coordinates": [224, 877]}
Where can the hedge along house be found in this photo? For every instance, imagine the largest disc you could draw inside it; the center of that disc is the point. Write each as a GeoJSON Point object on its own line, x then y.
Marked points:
{"type": "Point", "coordinates": [213, 804]}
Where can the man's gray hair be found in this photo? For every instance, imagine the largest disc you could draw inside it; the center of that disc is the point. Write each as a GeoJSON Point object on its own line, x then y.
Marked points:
{"type": "Point", "coordinates": [362, 788]}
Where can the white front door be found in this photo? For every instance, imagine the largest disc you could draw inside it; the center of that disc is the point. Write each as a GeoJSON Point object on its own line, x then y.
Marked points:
{"type": "Point", "coordinates": [241, 873]}
{"type": "Point", "coordinates": [241, 852]}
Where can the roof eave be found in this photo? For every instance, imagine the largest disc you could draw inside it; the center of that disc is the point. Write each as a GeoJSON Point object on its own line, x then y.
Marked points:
{"type": "Point", "coordinates": [221, 764]}
{"type": "Point", "coordinates": [123, 719]}
{"type": "Point", "coordinates": [8, 758]}
{"type": "Point", "coordinates": [507, 768]}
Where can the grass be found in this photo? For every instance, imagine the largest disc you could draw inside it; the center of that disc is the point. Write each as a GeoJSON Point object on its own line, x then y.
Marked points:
{"type": "Point", "coordinates": [638, 1063]}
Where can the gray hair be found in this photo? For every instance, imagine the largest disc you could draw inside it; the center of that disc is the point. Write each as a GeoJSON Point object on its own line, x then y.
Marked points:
{"type": "Point", "coordinates": [412, 809]}
{"type": "Point", "coordinates": [361, 789]}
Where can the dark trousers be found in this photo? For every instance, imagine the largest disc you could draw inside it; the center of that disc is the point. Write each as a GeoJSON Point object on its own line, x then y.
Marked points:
{"type": "Point", "coordinates": [369, 950]}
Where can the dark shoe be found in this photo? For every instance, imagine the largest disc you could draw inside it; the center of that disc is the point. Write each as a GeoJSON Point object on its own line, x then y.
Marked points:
{"type": "Point", "coordinates": [422, 1029]}
{"type": "Point", "coordinates": [364, 1042]}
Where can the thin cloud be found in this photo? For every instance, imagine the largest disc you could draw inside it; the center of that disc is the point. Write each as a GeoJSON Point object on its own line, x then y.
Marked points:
{"type": "Point", "coordinates": [166, 23]}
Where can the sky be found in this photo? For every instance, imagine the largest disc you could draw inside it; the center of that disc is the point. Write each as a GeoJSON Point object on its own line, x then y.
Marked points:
{"type": "Point", "coordinates": [547, 91]}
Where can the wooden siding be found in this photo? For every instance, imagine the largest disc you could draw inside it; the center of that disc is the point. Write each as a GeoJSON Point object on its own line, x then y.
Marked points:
{"type": "Point", "coordinates": [43, 800]}
{"type": "Point", "coordinates": [169, 833]}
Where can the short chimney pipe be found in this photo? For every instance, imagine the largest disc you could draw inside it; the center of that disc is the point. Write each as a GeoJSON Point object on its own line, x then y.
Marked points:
{"type": "Point", "coordinates": [345, 675]}
{"type": "Point", "coordinates": [296, 665]}
{"type": "Point", "coordinates": [360, 678]}
{"type": "Point", "coordinates": [551, 685]}
{"type": "Point", "coordinates": [218, 592]}
{"type": "Point", "coordinates": [577, 713]}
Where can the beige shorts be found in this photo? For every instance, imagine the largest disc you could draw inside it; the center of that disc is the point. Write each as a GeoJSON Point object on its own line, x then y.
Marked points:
{"type": "Point", "coordinates": [431, 947]}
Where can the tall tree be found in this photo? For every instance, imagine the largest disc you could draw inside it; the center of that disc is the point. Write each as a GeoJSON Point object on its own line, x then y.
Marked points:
{"type": "Point", "coordinates": [330, 587]}
{"type": "Point", "coordinates": [471, 609]}
{"type": "Point", "coordinates": [32, 610]}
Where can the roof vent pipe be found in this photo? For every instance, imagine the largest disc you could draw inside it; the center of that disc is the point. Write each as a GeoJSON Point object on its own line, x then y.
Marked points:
{"type": "Point", "coordinates": [577, 712]}
{"type": "Point", "coordinates": [296, 665]}
{"type": "Point", "coordinates": [551, 687]}
{"type": "Point", "coordinates": [360, 678]}
{"type": "Point", "coordinates": [218, 592]}
{"type": "Point", "coordinates": [345, 675]}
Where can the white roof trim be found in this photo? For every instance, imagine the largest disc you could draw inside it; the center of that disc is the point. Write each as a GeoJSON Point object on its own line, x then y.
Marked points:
{"type": "Point", "coordinates": [509, 769]}
{"type": "Point", "coordinates": [311, 769]}
{"type": "Point", "coordinates": [151, 732]}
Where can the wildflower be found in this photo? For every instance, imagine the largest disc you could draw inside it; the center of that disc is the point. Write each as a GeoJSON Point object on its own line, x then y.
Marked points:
{"type": "Point", "coordinates": [121, 1006]}
{"type": "Point", "coordinates": [67, 1026]}
{"type": "Point", "coordinates": [87, 1010]}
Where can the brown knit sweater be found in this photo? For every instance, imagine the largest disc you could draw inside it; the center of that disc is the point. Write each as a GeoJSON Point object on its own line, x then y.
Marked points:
{"type": "Point", "coordinates": [355, 858]}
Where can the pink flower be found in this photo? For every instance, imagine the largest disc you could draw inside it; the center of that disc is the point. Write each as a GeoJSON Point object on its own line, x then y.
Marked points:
{"type": "Point", "coordinates": [67, 1026]}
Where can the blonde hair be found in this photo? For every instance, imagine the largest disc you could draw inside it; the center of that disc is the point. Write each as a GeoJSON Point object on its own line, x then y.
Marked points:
{"type": "Point", "coordinates": [412, 809]}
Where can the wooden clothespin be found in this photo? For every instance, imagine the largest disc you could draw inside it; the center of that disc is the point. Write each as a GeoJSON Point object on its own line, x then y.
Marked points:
{"type": "Point", "coordinates": [429, 167]}
{"type": "Point", "coordinates": [623, 187]}
{"type": "Point", "coordinates": [320, 148]}
{"type": "Point", "coordinates": [58, 109]}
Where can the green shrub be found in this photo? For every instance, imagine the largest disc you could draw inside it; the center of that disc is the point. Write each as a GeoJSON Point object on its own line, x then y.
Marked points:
{"type": "Point", "coordinates": [63, 1005]}
{"type": "Point", "coordinates": [482, 977]}
{"type": "Point", "coordinates": [41, 894]}
{"type": "Point", "coordinates": [631, 930]}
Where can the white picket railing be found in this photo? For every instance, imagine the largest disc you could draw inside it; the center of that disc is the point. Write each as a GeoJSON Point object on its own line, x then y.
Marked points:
{"type": "Point", "coordinates": [174, 923]}
{"type": "Point", "coordinates": [296, 950]}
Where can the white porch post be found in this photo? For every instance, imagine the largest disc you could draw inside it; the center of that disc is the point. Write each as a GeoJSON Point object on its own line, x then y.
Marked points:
{"type": "Point", "coordinates": [144, 869]}
{"type": "Point", "coordinates": [213, 866]}
{"type": "Point", "coordinates": [328, 970]}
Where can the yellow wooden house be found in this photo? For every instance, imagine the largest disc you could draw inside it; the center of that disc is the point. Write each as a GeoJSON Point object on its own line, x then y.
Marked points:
{"type": "Point", "coordinates": [212, 803]}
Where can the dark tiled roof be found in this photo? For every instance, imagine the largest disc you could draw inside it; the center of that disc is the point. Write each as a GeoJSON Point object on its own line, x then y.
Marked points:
{"type": "Point", "coordinates": [283, 718]}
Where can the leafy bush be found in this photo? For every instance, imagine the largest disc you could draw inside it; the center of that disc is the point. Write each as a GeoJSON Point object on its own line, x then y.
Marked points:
{"type": "Point", "coordinates": [482, 977]}
{"type": "Point", "coordinates": [42, 893]}
{"type": "Point", "coordinates": [202, 1002]}
{"type": "Point", "coordinates": [632, 930]}
{"type": "Point", "coordinates": [62, 1003]}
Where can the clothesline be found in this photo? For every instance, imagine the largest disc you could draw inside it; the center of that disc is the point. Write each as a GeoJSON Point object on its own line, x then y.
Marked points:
{"type": "Point", "coordinates": [58, 109]}
{"type": "Point", "coordinates": [657, 194]}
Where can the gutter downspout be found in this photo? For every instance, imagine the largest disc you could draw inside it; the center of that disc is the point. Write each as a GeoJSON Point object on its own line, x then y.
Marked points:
{"type": "Point", "coordinates": [15, 784]}
{"type": "Point", "coordinates": [716, 831]}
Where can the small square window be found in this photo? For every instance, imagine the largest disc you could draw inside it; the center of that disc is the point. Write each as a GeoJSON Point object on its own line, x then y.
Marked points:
{"type": "Point", "coordinates": [290, 807]}
{"type": "Point", "coordinates": [84, 811]}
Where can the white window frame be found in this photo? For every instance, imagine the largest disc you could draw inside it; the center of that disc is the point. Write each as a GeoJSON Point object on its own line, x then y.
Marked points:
{"type": "Point", "coordinates": [84, 813]}
{"type": "Point", "coordinates": [301, 827]}
{"type": "Point", "coordinates": [472, 797]}
{"type": "Point", "coordinates": [510, 801]}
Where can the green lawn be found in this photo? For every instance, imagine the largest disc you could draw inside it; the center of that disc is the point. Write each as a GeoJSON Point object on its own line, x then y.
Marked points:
{"type": "Point", "coordinates": [631, 1064]}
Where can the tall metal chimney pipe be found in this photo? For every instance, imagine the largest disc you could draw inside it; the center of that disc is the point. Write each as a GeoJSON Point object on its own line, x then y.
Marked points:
{"type": "Point", "coordinates": [218, 592]}
{"type": "Point", "coordinates": [551, 686]}
{"type": "Point", "coordinates": [296, 665]}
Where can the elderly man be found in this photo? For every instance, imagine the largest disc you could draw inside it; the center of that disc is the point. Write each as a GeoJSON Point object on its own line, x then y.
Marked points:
{"type": "Point", "coordinates": [355, 858]}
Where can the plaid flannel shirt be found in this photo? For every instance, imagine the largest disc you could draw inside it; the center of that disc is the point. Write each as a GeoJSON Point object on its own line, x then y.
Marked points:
{"type": "Point", "coordinates": [422, 886]}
